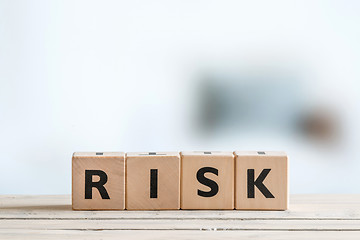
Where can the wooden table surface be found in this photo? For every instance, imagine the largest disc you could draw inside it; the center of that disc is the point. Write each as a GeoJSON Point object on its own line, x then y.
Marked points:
{"type": "Point", "coordinates": [51, 217]}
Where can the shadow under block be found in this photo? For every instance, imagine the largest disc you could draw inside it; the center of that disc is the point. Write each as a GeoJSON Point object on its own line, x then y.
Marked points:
{"type": "Point", "coordinates": [153, 181]}
{"type": "Point", "coordinates": [207, 180]}
{"type": "Point", "coordinates": [261, 181]}
{"type": "Point", "coordinates": [98, 181]}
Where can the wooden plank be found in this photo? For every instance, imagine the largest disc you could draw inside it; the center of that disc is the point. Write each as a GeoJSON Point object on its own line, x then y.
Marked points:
{"type": "Point", "coordinates": [184, 224]}
{"type": "Point", "coordinates": [320, 207]}
{"type": "Point", "coordinates": [159, 235]}
{"type": "Point", "coordinates": [309, 217]}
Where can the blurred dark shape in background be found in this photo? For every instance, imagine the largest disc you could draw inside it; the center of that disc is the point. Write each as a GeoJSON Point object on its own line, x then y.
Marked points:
{"type": "Point", "coordinates": [320, 125]}
{"type": "Point", "coordinates": [271, 104]}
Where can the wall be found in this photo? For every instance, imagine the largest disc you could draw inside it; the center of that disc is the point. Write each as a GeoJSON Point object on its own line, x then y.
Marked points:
{"type": "Point", "coordinates": [179, 75]}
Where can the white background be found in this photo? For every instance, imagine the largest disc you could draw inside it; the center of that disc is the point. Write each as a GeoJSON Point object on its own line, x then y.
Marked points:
{"type": "Point", "coordinates": [119, 75]}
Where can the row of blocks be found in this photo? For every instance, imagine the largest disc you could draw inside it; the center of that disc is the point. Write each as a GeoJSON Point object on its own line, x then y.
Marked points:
{"type": "Point", "coordinates": [185, 180]}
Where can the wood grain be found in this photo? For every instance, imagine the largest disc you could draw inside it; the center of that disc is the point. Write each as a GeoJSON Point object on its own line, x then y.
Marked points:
{"type": "Point", "coordinates": [222, 165]}
{"type": "Point", "coordinates": [209, 234]}
{"type": "Point", "coordinates": [308, 217]}
{"type": "Point", "coordinates": [138, 181]}
{"type": "Point", "coordinates": [110, 163]}
{"type": "Point", "coordinates": [275, 181]}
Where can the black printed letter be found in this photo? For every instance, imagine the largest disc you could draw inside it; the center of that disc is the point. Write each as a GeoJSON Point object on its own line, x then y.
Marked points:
{"type": "Point", "coordinates": [258, 183]}
{"type": "Point", "coordinates": [208, 182]}
{"type": "Point", "coordinates": [89, 184]}
{"type": "Point", "coordinates": [153, 183]}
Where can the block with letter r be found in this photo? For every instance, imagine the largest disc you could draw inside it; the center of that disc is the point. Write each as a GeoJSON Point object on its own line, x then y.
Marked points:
{"type": "Point", "coordinates": [98, 181]}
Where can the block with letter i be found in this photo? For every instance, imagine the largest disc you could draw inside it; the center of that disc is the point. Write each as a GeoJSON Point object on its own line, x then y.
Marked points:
{"type": "Point", "coordinates": [261, 180]}
{"type": "Point", "coordinates": [153, 181]}
{"type": "Point", "coordinates": [98, 181]}
{"type": "Point", "coordinates": [207, 180]}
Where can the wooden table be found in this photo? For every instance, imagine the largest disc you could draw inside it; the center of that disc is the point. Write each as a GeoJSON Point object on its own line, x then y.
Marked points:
{"type": "Point", "coordinates": [309, 217]}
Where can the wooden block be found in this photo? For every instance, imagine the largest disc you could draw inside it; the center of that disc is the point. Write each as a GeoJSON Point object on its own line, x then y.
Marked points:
{"type": "Point", "coordinates": [152, 181]}
{"type": "Point", "coordinates": [207, 180]}
{"type": "Point", "coordinates": [98, 181]}
{"type": "Point", "coordinates": [261, 180]}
